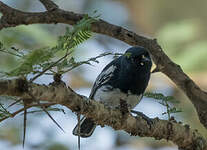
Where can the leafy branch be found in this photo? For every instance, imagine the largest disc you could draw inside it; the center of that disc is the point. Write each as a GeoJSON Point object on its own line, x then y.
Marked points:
{"type": "Point", "coordinates": [165, 101]}
{"type": "Point", "coordinates": [67, 66]}
{"type": "Point", "coordinates": [40, 61]}
{"type": "Point", "coordinates": [4, 112]}
{"type": "Point", "coordinates": [13, 51]}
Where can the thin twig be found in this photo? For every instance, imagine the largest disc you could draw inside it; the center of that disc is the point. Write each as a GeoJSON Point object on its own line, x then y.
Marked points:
{"type": "Point", "coordinates": [14, 103]}
{"type": "Point", "coordinates": [93, 59]}
{"type": "Point", "coordinates": [4, 51]}
{"type": "Point", "coordinates": [22, 109]}
{"type": "Point", "coordinates": [49, 67]}
{"type": "Point", "coordinates": [78, 116]}
{"type": "Point", "coordinates": [43, 108]}
{"type": "Point", "coordinates": [25, 124]}
{"type": "Point", "coordinates": [50, 109]}
{"type": "Point", "coordinates": [4, 109]}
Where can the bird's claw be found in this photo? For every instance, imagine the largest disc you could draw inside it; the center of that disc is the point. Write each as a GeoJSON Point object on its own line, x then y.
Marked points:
{"type": "Point", "coordinates": [124, 108]}
{"type": "Point", "coordinates": [147, 119]}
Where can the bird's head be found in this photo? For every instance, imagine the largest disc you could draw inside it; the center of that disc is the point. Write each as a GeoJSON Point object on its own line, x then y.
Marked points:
{"type": "Point", "coordinates": [138, 58]}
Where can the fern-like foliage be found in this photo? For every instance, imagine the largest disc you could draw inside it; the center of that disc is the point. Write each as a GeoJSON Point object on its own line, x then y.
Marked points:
{"type": "Point", "coordinates": [3, 111]}
{"type": "Point", "coordinates": [80, 32]}
{"type": "Point", "coordinates": [42, 60]}
{"type": "Point", "coordinates": [165, 101]}
{"type": "Point", "coordinates": [32, 61]}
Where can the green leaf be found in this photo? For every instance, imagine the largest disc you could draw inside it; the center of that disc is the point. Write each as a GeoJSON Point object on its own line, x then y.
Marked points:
{"type": "Point", "coordinates": [165, 101]}
{"type": "Point", "coordinates": [28, 62]}
{"type": "Point", "coordinates": [41, 59]}
{"type": "Point", "coordinates": [3, 111]}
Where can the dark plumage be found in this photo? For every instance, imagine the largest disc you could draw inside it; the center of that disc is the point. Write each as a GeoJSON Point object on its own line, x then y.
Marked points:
{"type": "Point", "coordinates": [126, 78]}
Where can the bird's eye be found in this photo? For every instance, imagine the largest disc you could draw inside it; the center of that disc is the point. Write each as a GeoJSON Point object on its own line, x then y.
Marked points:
{"type": "Point", "coordinates": [141, 60]}
{"type": "Point", "coordinates": [142, 64]}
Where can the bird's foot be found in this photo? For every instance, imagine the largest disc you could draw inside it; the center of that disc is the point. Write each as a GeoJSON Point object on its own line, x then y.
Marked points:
{"type": "Point", "coordinates": [124, 107]}
{"type": "Point", "coordinates": [147, 119]}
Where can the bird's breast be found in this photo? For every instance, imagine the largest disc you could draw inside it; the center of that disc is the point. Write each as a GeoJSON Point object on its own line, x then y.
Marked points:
{"type": "Point", "coordinates": [111, 96]}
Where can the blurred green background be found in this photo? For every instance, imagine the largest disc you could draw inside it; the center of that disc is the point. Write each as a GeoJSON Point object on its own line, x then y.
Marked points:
{"type": "Point", "coordinates": [179, 26]}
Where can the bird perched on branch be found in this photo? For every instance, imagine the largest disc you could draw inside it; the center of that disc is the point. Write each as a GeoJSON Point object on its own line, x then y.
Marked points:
{"type": "Point", "coordinates": [125, 78]}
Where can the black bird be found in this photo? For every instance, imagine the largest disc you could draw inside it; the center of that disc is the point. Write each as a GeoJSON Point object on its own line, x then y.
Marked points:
{"type": "Point", "coordinates": [125, 78]}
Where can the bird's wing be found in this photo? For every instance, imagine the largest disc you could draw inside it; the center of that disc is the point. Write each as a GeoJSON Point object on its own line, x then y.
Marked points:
{"type": "Point", "coordinates": [105, 76]}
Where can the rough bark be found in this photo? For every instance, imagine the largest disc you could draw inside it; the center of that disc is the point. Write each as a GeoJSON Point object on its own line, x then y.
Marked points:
{"type": "Point", "coordinates": [182, 135]}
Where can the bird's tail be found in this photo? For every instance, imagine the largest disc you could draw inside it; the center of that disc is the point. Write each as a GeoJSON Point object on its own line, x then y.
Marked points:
{"type": "Point", "coordinates": [87, 126]}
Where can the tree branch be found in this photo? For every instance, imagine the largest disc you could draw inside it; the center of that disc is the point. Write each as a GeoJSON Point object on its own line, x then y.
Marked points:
{"type": "Point", "coordinates": [180, 134]}
{"type": "Point", "coordinates": [12, 17]}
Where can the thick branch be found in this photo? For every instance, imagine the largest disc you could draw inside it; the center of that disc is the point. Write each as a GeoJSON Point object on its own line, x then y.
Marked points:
{"type": "Point", "coordinates": [181, 135]}
{"type": "Point", "coordinates": [12, 17]}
